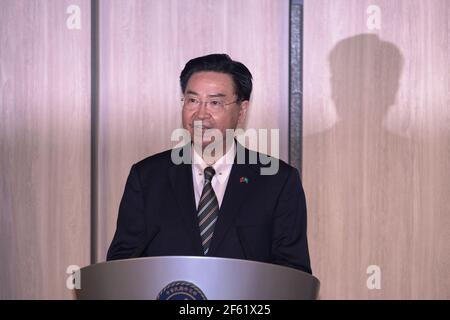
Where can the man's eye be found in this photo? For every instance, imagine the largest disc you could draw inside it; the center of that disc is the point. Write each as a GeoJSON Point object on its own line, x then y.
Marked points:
{"type": "Point", "coordinates": [192, 100]}
{"type": "Point", "coordinates": [216, 103]}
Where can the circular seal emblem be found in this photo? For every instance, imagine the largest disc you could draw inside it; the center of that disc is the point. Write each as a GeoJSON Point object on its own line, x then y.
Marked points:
{"type": "Point", "coordinates": [181, 290]}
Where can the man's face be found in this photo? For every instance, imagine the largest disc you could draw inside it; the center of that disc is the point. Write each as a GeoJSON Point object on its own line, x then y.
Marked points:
{"type": "Point", "coordinates": [212, 86]}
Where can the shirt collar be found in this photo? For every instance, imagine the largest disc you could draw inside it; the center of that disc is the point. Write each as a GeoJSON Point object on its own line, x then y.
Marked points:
{"type": "Point", "coordinates": [222, 166]}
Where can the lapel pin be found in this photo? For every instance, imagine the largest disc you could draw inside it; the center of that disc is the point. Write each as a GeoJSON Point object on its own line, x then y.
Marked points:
{"type": "Point", "coordinates": [243, 180]}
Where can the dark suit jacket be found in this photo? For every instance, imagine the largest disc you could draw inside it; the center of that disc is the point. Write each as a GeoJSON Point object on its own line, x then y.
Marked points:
{"type": "Point", "coordinates": [262, 220]}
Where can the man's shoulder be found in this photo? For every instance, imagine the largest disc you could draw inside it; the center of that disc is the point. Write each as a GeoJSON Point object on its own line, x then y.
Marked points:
{"type": "Point", "coordinates": [155, 162]}
{"type": "Point", "coordinates": [267, 165]}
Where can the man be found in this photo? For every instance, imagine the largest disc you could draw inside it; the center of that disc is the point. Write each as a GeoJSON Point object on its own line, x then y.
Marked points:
{"type": "Point", "coordinates": [213, 205]}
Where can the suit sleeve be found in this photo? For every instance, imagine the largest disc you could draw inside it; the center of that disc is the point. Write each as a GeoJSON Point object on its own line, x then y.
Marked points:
{"type": "Point", "coordinates": [130, 232]}
{"type": "Point", "coordinates": [289, 241]}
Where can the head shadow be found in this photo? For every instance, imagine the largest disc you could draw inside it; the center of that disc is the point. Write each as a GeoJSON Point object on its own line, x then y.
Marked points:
{"type": "Point", "coordinates": [365, 75]}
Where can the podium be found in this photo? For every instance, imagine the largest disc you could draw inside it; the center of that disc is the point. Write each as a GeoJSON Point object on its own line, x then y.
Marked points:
{"type": "Point", "coordinates": [195, 278]}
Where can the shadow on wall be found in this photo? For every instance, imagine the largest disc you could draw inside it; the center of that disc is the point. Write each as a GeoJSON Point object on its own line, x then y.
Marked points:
{"type": "Point", "coordinates": [365, 73]}
{"type": "Point", "coordinates": [362, 206]}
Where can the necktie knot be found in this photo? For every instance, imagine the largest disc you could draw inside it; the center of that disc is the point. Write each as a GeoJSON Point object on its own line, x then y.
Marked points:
{"type": "Point", "coordinates": [209, 173]}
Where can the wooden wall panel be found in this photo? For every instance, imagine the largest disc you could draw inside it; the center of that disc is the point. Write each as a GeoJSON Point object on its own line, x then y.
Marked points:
{"type": "Point", "coordinates": [143, 48]}
{"type": "Point", "coordinates": [376, 165]}
{"type": "Point", "coordinates": [44, 147]}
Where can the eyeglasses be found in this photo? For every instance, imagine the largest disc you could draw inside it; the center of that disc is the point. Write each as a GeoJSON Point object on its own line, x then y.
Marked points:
{"type": "Point", "coordinates": [214, 104]}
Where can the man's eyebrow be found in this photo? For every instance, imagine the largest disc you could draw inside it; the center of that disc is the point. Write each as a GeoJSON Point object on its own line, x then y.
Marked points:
{"type": "Point", "coordinates": [215, 95]}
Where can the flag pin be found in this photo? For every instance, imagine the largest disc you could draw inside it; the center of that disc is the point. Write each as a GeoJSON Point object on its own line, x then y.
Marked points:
{"type": "Point", "coordinates": [243, 180]}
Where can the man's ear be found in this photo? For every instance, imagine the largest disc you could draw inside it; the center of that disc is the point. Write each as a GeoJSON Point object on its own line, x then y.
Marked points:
{"type": "Point", "coordinates": [243, 113]}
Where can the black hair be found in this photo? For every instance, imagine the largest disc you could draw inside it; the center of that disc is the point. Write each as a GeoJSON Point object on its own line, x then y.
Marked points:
{"type": "Point", "coordinates": [222, 63]}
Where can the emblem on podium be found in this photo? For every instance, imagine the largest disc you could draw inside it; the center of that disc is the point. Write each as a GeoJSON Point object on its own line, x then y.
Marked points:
{"type": "Point", "coordinates": [181, 290]}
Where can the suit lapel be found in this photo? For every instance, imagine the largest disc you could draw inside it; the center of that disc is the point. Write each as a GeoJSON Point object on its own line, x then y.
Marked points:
{"type": "Point", "coordinates": [181, 180]}
{"type": "Point", "coordinates": [241, 180]}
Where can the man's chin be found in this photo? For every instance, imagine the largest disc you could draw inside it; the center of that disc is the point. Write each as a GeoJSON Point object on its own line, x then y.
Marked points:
{"type": "Point", "coordinates": [203, 143]}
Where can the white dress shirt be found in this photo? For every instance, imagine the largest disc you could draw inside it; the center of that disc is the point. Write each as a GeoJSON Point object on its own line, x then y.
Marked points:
{"type": "Point", "coordinates": [219, 182]}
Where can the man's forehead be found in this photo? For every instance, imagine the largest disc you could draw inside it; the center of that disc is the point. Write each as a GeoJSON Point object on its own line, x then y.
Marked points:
{"type": "Point", "coordinates": [210, 83]}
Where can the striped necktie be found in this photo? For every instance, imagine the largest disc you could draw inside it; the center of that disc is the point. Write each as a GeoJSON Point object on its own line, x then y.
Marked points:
{"type": "Point", "coordinates": [208, 210]}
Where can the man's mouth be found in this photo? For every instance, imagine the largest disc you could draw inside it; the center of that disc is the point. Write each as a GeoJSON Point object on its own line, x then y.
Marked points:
{"type": "Point", "coordinates": [200, 127]}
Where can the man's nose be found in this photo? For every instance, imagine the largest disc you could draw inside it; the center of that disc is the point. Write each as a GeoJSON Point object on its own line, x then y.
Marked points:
{"type": "Point", "coordinates": [203, 110]}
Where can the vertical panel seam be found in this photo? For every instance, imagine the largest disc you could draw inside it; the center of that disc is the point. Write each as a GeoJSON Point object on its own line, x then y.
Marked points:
{"type": "Point", "coordinates": [94, 128]}
{"type": "Point", "coordinates": [295, 118]}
